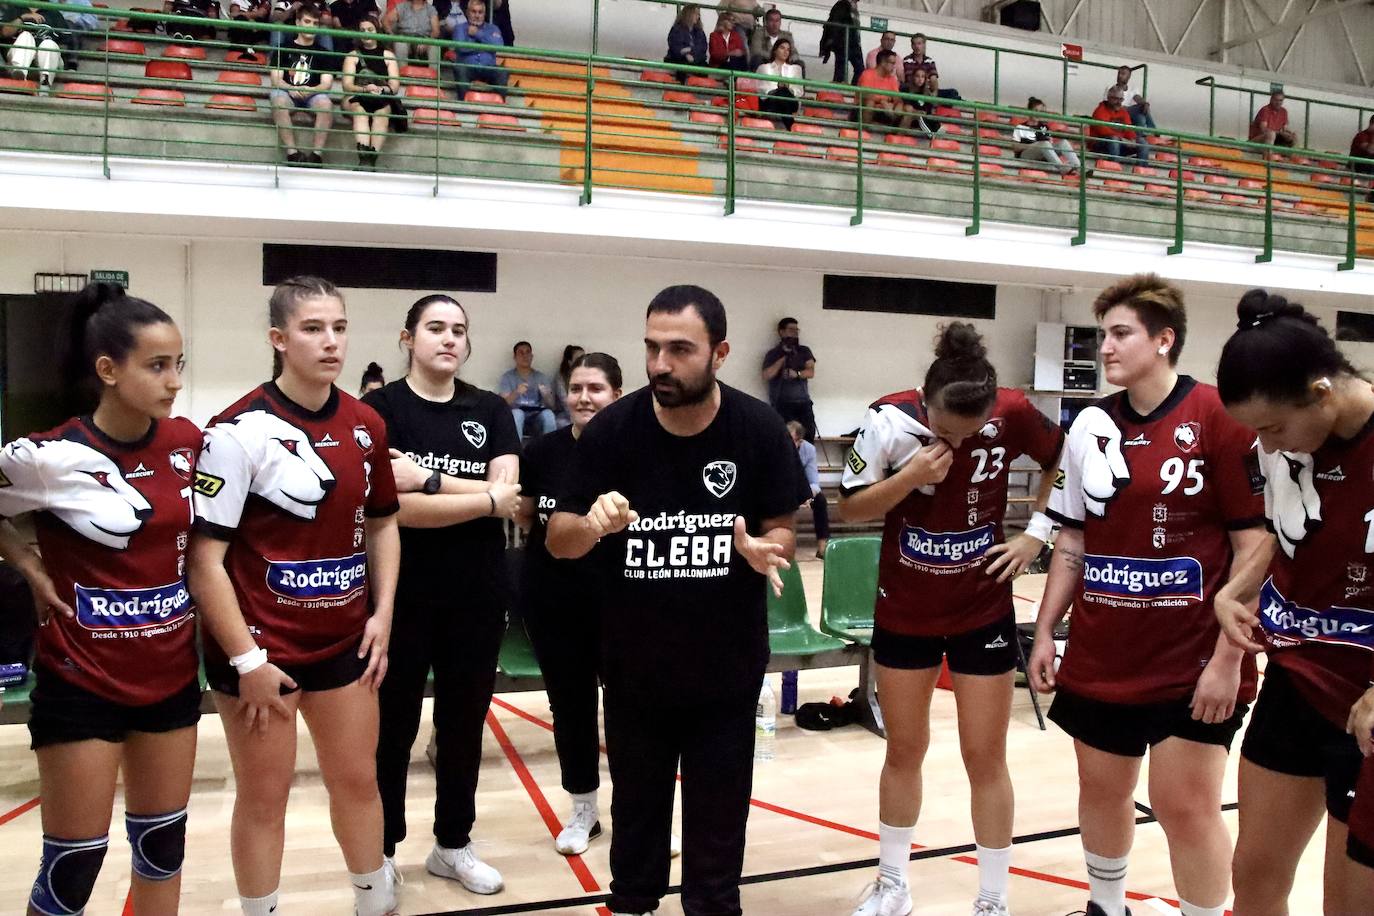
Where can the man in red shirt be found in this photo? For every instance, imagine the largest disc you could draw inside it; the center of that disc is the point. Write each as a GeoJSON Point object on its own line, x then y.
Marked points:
{"type": "Point", "coordinates": [883, 110]}
{"type": "Point", "coordinates": [1111, 140]}
{"type": "Point", "coordinates": [1271, 124]}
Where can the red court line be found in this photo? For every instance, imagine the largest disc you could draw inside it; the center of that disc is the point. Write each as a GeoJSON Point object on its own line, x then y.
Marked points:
{"type": "Point", "coordinates": [128, 904]}
{"type": "Point", "coordinates": [22, 809]}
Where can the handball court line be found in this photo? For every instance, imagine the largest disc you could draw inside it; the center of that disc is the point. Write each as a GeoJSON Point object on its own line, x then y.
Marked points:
{"type": "Point", "coordinates": [21, 809]}
{"type": "Point", "coordinates": [956, 853]}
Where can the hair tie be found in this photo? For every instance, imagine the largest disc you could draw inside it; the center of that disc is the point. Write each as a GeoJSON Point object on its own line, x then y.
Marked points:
{"type": "Point", "coordinates": [1258, 320]}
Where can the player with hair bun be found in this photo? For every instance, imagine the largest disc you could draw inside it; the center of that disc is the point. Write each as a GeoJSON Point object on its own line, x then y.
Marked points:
{"type": "Point", "coordinates": [1305, 747]}
{"type": "Point", "coordinates": [117, 688]}
{"type": "Point", "coordinates": [933, 463]}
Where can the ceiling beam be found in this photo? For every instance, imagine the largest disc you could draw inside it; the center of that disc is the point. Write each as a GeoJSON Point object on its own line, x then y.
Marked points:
{"type": "Point", "coordinates": [1294, 23]}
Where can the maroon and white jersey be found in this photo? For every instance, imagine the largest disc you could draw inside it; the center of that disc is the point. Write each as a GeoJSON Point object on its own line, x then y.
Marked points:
{"type": "Point", "coordinates": [1317, 603]}
{"type": "Point", "coordinates": [112, 521]}
{"type": "Point", "coordinates": [931, 580]}
{"type": "Point", "coordinates": [1156, 498]}
{"type": "Point", "coordinates": [289, 489]}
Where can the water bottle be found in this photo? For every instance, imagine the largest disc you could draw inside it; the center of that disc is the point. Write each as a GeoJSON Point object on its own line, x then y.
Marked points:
{"type": "Point", "coordinates": [789, 693]}
{"type": "Point", "coordinates": [766, 723]}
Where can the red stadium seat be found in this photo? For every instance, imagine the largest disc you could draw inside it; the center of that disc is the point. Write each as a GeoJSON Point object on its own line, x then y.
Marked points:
{"type": "Point", "coordinates": [92, 92]}
{"type": "Point", "coordinates": [184, 52]}
{"type": "Point", "coordinates": [740, 143]}
{"type": "Point", "coordinates": [831, 114]}
{"type": "Point", "coordinates": [706, 117]}
{"type": "Point", "coordinates": [247, 59]}
{"type": "Point", "coordinates": [942, 164]}
{"type": "Point", "coordinates": [757, 123]}
{"type": "Point", "coordinates": [1215, 179]}
{"type": "Point", "coordinates": [901, 160]}
{"type": "Point", "coordinates": [953, 130]}
{"type": "Point", "coordinates": [239, 78]}
{"type": "Point", "coordinates": [991, 168]}
{"type": "Point", "coordinates": [948, 146]}
{"type": "Point", "coordinates": [1035, 174]}
{"type": "Point", "coordinates": [988, 133]}
{"type": "Point", "coordinates": [826, 95]}
{"type": "Point", "coordinates": [704, 82]}
{"type": "Point", "coordinates": [414, 72]}
{"type": "Point", "coordinates": [1118, 185]}
{"type": "Point", "coordinates": [682, 98]}
{"type": "Point", "coordinates": [657, 76]}
{"type": "Point", "coordinates": [1251, 184]}
{"type": "Point", "coordinates": [986, 150]}
{"type": "Point", "coordinates": [481, 97]}
{"type": "Point", "coordinates": [22, 87]}
{"type": "Point", "coordinates": [421, 91]}
{"type": "Point", "coordinates": [167, 70]}
{"type": "Point", "coordinates": [499, 122]}
{"type": "Point", "coordinates": [225, 102]}
{"type": "Point", "coordinates": [788, 148]}
{"type": "Point", "coordinates": [1145, 171]}
{"type": "Point", "coordinates": [944, 111]}
{"type": "Point", "coordinates": [901, 139]}
{"type": "Point", "coordinates": [814, 129]}
{"type": "Point", "coordinates": [991, 117]}
{"type": "Point", "coordinates": [433, 117]}
{"type": "Point", "coordinates": [1108, 165]}
{"type": "Point", "coordinates": [124, 46]}
{"type": "Point", "coordinates": [849, 133]}
{"type": "Point", "coordinates": [171, 97]}
{"type": "Point", "coordinates": [842, 154]}
{"type": "Point", "coordinates": [1187, 175]}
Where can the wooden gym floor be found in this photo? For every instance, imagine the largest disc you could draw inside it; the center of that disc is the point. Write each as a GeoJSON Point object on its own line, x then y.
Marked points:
{"type": "Point", "coordinates": [812, 841]}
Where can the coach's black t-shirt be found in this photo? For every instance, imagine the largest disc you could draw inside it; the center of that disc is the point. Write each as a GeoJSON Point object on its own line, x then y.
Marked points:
{"type": "Point", "coordinates": [684, 616]}
{"type": "Point", "coordinates": [459, 437]}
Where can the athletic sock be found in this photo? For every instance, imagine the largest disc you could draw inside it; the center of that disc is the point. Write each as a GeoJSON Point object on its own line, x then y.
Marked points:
{"type": "Point", "coordinates": [373, 894]}
{"type": "Point", "coordinates": [894, 852]}
{"type": "Point", "coordinates": [585, 798]}
{"type": "Point", "coordinates": [1192, 909]}
{"type": "Point", "coordinates": [993, 866]}
{"type": "Point", "coordinates": [1107, 883]}
{"type": "Point", "coordinates": [259, 906]}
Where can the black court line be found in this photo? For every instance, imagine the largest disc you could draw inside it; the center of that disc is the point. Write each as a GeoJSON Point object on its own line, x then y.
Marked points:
{"type": "Point", "coordinates": [1144, 809]}
{"type": "Point", "coordinates": [768, 877]}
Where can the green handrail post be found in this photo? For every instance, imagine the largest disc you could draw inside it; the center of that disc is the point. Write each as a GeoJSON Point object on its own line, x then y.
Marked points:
{"type": "Point", "coordinates": [730, 147]}
{"type": "Point", "coordinates": [105, 130]}
{"type": "Point", "coordinates": [976, 225]}
{"type": "Point", "coordinates": [1177, 246]}
{"type": "Point", "coordinates": [1082, 235]}
{"type": "Point", "coordinates": [1064, 87]}
{"type": "Point", "coordinates": [596, 26]}
{"type": "Point", "coordinates": [996, 77]}
{"type": "Point", "coordinates": [1349, 262]}
{"type": "Point", "coordinates": [1306, 122]}
{"type": "Point", "coordinates": [438, 128]}
{"type": "Point", "coordinates": [1267, 255]}
{"type": "Point", "coordinates": [858, 216]}
{"type": "Point", "coordinates": [586, 196]}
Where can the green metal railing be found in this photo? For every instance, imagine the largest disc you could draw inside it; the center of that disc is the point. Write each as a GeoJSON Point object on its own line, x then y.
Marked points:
{"type": "Point", "coordinates": [1362, 112]}
{"type": "Point", "coordinates": [871, 168]}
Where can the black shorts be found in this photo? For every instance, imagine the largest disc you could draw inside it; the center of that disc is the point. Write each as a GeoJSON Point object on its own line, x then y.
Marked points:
{"type": "Point", "coordinates": [986, 650]}
{"type": "Point", "coordinates": [327, 674]}
{"type": "Point", "coordinates": [1287, 735]}
{"type": "Point", "coordinates": [1129, 729]}
{"type": "Point", "coordinates": [62, 712]}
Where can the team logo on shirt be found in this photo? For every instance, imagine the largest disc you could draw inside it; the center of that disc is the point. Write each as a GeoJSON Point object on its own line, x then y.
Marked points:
{"type": "Point", "coordinates": [719, 477]}
{"type": "Point", "coordinates": [140, 471]}
{"type": "Point", "coordinates": [292, 476]}
{"type": "Point", "coordinates": [183, 462]}
{"type": "Point", "coordinates": [99, 504]}
{"type": "Point", "coordinates": [1287, 623]}
{"type": "Point", "coordinates": [131, 608]}
{"type": "Point", "coordinates": [1292, 502]}
{"type": "Point", "coordinates": [992, 429]}
{"type": "Point", "coordinates": [1104, 467]}
{"type": "Point", "coordinates": [1172, 580]}
{"type": "Point", "coordinates": [332, 580]}
{"type": "Point", "coordinates": [363, 438]}
{"type": "Point", "coordinates": [1187, 435]}
{"type": "Point", "coordinates": [327, 442]}
{"type": "Point", "coordinates": [856, 463]}
{"type": "Point", "coordinates": [947, 550]}
{"type": "Point", "coordinates": [475, 433]}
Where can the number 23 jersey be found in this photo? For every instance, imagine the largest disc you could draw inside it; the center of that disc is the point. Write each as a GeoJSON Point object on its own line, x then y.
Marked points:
{"type": "Point", "coordinates": [1156, 498]}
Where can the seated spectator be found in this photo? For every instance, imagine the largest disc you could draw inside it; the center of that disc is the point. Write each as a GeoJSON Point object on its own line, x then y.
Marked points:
{"type": "Point", "coordinates": [887, 42]}
{"type": "Point", "coordinates": [498, 14]}
{"type": "Point", "coordinates": [246, 39]}
{"type": "Point", "coordinates": [528, 392]}
{"type": "Point", "coordinates": [933, 87]}
{"type": "Point", "coordinates": [820, 510]}
{"type": "Point", "coordinates": [200, 9]}
{"type": "Point", "coordinates": [883, 110]}
{"type": "Point", "coordinates": [841, 36]}
{"type": "Point", "coordinates": [571, 354]}
{"type": "Point", "coordinates": [372, 79]}
{"type": "Point", "coordinates": [1134, 102]}
{"type": "Point", "coordinates": [348, 15]}
{"type": "Point", "coordinates": [686, 39]}
{"type": "Point", "coordinates": [761, 41]}
{"type": "Point", "coordinates": [477, 65]}
{"type": "Point", "coordinates": [414, 19]}
{"type": "Point", "coordinates": [36, 38]}
{"type": "Point", "coordinates": [85, 22]}
{"type": "Point", "coordinates": [1271, 124]}
{"type": "Point", "coordinates": [1111, 140]}
{"type": "Point", "coordinates": [725, 48]}
{"type": "Point", "coordinates": [1362, 147]}
{"type": "Point", "coordinates": [1034, 143]}
{"type": "Point", "coordinates": [780, 99]}
{"type": "Point", "coordinates": [917, 58]}
{"type": "Point", "coordinates": [287, 12]}
{"type": "Point", "coordinates": [301, 81]}
{"type": "Point", "coordinates": [925, 120]}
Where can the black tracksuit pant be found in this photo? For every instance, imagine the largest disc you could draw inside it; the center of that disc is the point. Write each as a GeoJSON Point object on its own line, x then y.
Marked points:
{"type": "Point", "coordinates": [713, 743]}
{"type": "Point", "coordinates": [460, 640]}
{"type": "Point", "coordinates": [564, 632]}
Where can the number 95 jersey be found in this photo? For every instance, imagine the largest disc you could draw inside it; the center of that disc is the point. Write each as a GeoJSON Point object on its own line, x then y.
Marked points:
{"type": "Point", "coordinates": [931, 568]}
{"type": "Point", "coordinates": [1156, 498]}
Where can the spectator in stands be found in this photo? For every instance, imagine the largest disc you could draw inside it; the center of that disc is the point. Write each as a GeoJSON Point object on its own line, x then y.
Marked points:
{"type": "Point", "coordinates": [477, 65]}
{"type": "Point", "coordinates": [888, 42]}
{"type": "Point", "coordinates": [1036, 145]}
{"type": "Point", "coordinates": [414, 19]}
{"type": "Point", "coordinates": [917, 59]}
{"type": "Point", "coordinates": [1109, 139]}
{"type": "Point", "coordinates": [349, 15]}
{"type": "Point", "coordinates": [287, 12]}
{"type": "Point", "coordinates": [933, 87]}
{"type": "Point", "coordinates": [301, 80]}
{"type": "Point", "coordinates": [820, 511]}
{"type": "Point", "coordinates": [199, 9]}
{"type": "Point", "coordinates": [1362, 147]}
{"type": "Point", "coordinates": [528, 392]}
{"type": "Point", "coordinates": [779, 99]}
{"type": "Point", "coordinates": [726, 48]}
{"type": "Point", "coordinates": [36, 38]}
{"type": "Point", "coordinates": [373, 378]}
{"type": "Point", "coordinates": [86, 22]}
{"type": "Point", "coordinates": [883, 110]}
{"type": "Point", "coordinates": [372, 79]}
{"type": "Point", "coordinates": [498, 14]}
{"type": "Point", "coordinates": [761, 41]}
{"type": "Point", "coordinates": [786, 369]}
{"type": "Point", "coordinates": [841, 37]}
{"type": "Point", "coordinates": [686, 40]}
{"type": "Point", "coordinates": [925, 120]}
{"type": "Point", "coordinates": [1134, 102]}
{"type": "Point", "coordinates": [744, 14]}
{"type": "Point", "coordinates": [1271, 123]}
{"type": "Point", "coordinates": [246, 39]}
{"type": "Point", "coordinates": [571, 354]}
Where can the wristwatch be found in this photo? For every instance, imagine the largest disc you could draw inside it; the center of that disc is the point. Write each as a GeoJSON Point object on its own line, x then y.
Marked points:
{"type": "Point", "coordinates": [432, 483]}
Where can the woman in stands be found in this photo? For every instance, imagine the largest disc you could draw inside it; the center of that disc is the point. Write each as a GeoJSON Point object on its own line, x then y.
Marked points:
{"type": "Point", "coordinates": [932, 462]}
{"type": "Point", "coordinates": [456, 459]}
{"type": "Point", "coordinates": [1157, 498]}
{"type": "Point", "coordinates": [687, 42]}
{"type": "Point", "coordinates": [294, 568]}
{"type": "Point", "coordinates": [373, 378]}
{"type": "Point", "coordinates": [557, 602]}
{"type": "Point", "coordinates": [1281, 374]}
{"type": "Point", "coordinates": [780, 99]}
{"type": "Point", "coordinates": [371, 79]}
{"type": "Point", "coordinates": [111, 495]}
{"type": "Point", "coordinates": [571, 354]}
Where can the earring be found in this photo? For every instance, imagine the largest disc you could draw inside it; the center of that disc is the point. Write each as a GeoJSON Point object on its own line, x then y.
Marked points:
{"type": "Point", "coordinates": [1163, 351]}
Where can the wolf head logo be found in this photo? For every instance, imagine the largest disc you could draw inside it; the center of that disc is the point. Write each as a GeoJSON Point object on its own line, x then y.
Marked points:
{"type": "Point", "coordinates": [719, 477]}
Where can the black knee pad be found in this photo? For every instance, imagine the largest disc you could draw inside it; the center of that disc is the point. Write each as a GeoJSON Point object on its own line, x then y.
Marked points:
{"type": "Point", "coordinates": [67, 875]}
{"type": "Point", "coordinates": [158, 842]}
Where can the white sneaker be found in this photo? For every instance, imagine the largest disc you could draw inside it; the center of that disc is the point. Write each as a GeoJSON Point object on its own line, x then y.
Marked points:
{"type": "Point", "coordinates": [674, 846]}
{"type": "Point", "coordinates": [884, 897]}
{"type": "Point", "coordinates": [463, 866]}
{"type": "Point", "coordinates": [988, 908]}
{"type": "Point", "coordinates": [392, 872]}
{"type": "Point", "coordinates": [578, 833]}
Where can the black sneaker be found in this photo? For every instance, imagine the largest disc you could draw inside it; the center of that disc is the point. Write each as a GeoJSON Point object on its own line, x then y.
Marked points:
{"type": "Point", "coordinates": [295, 157]}
{"type": "Point", "coordinates": [314, 160]}
{"type": "Point", "coordinates": [1094, 910]}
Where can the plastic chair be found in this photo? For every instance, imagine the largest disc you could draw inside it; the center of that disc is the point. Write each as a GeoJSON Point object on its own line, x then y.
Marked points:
{"type": "Point", "coordinates": [516, 658]}
{"type": "Point", "coordinates": [789, 624]}
{"type": "Point", "coordinates": [850, 588]}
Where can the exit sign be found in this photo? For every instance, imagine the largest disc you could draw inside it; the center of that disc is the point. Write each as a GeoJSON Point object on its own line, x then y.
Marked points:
{"type": "Point", "coordinates": [1072, 53]}
{"type": "Point", "coordinates": [116, 277]}
{"type": "Point", "coordinates": [879, 24]}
